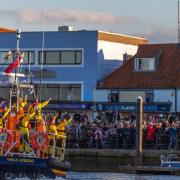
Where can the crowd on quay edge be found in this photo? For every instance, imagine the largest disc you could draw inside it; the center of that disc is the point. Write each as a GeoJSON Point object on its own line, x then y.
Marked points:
{"type": "Point", "coordinates": [117, 131]}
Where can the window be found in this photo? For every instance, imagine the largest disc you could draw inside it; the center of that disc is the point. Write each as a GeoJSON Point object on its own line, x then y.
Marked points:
{"type": "Point", "coordinates": [60, 57]}
{"type": "Point", "coordinates": [144, 64]}
{"type": "Point", "coordinates": [70, 92]}
{"type": "Point", "coordinates": [61, 92]}
{"type": "Point", "coordinates": [2, 56]}
{"type": "Point", "coordinates": [28, 57]}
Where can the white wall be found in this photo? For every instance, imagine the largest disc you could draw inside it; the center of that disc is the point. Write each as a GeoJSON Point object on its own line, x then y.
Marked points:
{"type": "Point", "coordinates": [130, 96]}
{"type": "Point", "coordinates": [178, 100]}
{"type": "Point", "coordinates": [115, 51]}
{"type": "Point", "coordinates": [100, 95]}
{"type": "Point", "coordinates": [165, 96]}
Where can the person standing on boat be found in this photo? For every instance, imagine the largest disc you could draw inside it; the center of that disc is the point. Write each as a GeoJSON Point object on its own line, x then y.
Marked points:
{"type": "Point", "coordinates": [25, 139]}
{"type": "Point", "coordinates": [3, 116]}
{"type": "Point", "coordinates": [52, 133]}
{"type": "Point", "coordinates": [61, 129]}
{"type": "Point", "coordinates": [22, 104]}
{"type": "Point", "coordinates": [38, 122]}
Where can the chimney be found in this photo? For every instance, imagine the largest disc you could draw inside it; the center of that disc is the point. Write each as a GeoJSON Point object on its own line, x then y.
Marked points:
{"type": "Point", "coordinates": [126, 57]}
{"type": "Point", "coordinates": [65, 28]}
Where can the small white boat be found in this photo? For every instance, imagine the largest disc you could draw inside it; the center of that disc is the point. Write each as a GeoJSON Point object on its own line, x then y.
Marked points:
{"type": "Point", "coordinates": [171, 161]}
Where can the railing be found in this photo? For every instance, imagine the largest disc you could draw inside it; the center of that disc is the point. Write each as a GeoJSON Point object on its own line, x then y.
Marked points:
{"type": "Point", "coordinates": [52, 146]}
{"type": "Point", "coordinates": [121, 142]}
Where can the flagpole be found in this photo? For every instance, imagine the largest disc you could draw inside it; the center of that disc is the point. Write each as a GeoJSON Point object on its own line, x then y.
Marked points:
{"type": "Point", "coordinates": [18, 35]}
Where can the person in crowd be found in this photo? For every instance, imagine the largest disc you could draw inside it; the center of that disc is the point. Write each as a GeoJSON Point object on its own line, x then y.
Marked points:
{"type": "Point", "coordinates": [98, 136]}
{"type": "Point", "coordinates": [120, 135]}
{"type": "Point", "coordinates": [150, 135]}
{"type": "Point", "coordinates": [172, 136]}
{"type": "Point", "coordinates": [127, 135]}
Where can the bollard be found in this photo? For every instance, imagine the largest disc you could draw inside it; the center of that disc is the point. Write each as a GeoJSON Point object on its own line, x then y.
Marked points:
{"type": "Point", "coordinates": [139, 113]}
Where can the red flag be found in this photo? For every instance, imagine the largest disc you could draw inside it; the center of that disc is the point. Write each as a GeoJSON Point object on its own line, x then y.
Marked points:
{"type": "Point", "coordinates": [14, 65]}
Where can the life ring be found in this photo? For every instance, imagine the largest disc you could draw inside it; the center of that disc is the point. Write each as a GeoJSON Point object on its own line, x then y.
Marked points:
{"type": "Point", "coordinates": [39, 141]}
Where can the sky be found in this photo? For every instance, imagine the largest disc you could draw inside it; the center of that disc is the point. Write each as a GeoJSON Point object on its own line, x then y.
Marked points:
{"type": "Point", "coordinates": [156, 20]}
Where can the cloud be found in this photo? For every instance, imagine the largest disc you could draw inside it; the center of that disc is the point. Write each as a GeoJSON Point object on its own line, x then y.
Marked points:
{"type": "Point", "coordinates": [55, 16]}
{"type": "Point", "coordinates": [161, 35]}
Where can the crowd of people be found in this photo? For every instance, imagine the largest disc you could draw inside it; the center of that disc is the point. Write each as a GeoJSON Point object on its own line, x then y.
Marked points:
{"type": "Point", "coordinates": [117, 131]}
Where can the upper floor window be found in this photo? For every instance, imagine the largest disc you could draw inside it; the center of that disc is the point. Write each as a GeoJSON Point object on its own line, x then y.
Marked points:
{"type": "Point", "coordinates": [28, 57]}
{"type": "Point", "coordinates": [144, 64]}
{"type": "Point", "coordinates": [60, 57]}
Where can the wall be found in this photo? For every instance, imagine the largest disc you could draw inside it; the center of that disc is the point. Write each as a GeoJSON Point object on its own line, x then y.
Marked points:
{"type": "Point", "coordinates": [110, 56]}
{"type": "Point", "coordinates": [165, 96]}
{"type": "Point", "coordinates": [84, 40]}
{"type": "Point", "coordinates": [100, 95]}
{"type": "Point", "coordinates": [178, 100]}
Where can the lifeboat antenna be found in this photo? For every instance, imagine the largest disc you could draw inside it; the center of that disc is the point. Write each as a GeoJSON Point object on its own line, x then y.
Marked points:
{"type": "Point", "coordinates": [42, 52]}
{"type": "Point", "coordinates": [18, 35]}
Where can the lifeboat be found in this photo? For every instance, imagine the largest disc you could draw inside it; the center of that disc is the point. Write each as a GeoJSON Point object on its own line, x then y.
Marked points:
{"type": "Point", "coordinates": [25, 151]}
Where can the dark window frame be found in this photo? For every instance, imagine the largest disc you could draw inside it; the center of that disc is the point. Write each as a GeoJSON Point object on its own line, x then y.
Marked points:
{"type": "Point", "coordinates": [60, 57]}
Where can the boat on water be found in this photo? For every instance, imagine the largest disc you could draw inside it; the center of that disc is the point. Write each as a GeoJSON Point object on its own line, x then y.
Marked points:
{"type": "Point", "coordinates": [28, 148]}
{"type": "Point", "coordinates": [170, 161]}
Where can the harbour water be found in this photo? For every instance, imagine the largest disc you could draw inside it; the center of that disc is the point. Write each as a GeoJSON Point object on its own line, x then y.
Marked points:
{"type": "Point", "coordinates": [117, 176]}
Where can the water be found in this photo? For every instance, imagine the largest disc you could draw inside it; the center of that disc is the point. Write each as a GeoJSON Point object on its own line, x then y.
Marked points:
{"type": "Point", "coordinates": [109, 176]}
{"type": "Point", "coordinates": [116, 176]}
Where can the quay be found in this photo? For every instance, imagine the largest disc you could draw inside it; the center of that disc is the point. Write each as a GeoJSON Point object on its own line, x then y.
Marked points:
{"type": "Point", "coordinates": [119, 160]}
{"type": "Point", "coordinates": [121, 153]}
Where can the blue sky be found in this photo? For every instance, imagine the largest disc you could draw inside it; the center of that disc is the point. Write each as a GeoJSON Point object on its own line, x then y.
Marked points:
{"type": "Point", "coordinates": [153, 19]}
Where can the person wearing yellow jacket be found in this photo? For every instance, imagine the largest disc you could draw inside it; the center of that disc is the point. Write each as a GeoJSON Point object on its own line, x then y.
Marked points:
{"type": "Point", "coordinates": [52, 133]}
{"type": "Point", "coordinates": [38, 122]}
{"type": "Point", "coordinates": [22, 104]}
{"type": "Point", "coordinates": [37, 106]}
{"type": "Point", "coordinates": [25, 131]}
{"type": "Point", "coordinates": [61, 129]}
{"type": "Point", "coordinates": [2, 118]}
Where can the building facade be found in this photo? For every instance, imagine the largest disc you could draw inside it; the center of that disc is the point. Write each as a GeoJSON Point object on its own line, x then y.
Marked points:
{"type": "Point", "coordinates": [66, 65]}
{"type": "Point", "coordinates": [152, 73]}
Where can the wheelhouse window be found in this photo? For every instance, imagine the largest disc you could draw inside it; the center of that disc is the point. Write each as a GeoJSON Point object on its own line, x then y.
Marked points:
{"type": "Point", "coordinates": [28, 57]}
{"type": "Point", "coordinates": [61, 92]}
{"type": "Point", "coordinates": [144, 64]}
{"type": "Point", "coordinates": [60, 57]}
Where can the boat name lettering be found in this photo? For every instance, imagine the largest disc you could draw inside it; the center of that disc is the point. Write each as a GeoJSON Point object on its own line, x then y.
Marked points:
{"type": "Point", "coordinates": [24, 160]}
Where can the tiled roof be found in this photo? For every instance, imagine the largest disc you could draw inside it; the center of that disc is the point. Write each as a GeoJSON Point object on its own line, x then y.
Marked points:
{"type": "Point", "coordinates": [119, 38]}
{"type": "Point", "coordinates": [166, 75]}
{"type": "Point", "coordinates": [7, 30]}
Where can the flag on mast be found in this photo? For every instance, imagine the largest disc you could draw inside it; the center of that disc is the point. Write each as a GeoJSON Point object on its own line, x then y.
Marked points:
{"type": "Point", "coordinates": [14, 64]}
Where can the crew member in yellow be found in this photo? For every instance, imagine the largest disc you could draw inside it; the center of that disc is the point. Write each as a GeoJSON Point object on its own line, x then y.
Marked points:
{"type": "Point", "coordinates": [52, 129]}
{"type": "Point", "coordinates": [37, 106]}
{"type": "Point", "coordinates": [38, 122]}
{"type": "Point", "coordinates": [24, 129]}
{"type": "Point", "coordinates": [2, 118]}
{"type": "Point", "coordinates": [22, 104]}
{"type": "Point", "coordinates": [61, 129]}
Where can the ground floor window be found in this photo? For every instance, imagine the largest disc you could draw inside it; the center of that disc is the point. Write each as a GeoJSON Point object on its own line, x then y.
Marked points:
{"type": "Point", "coordinates": [58, 92]}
